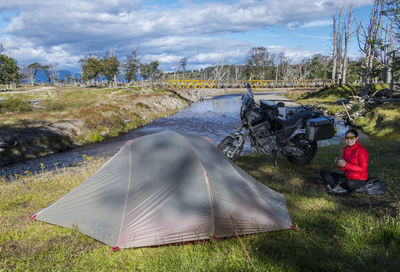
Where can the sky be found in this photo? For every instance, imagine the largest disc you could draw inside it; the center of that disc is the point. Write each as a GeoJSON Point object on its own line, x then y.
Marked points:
{"type": "Point", "coordinates": [205, 32]}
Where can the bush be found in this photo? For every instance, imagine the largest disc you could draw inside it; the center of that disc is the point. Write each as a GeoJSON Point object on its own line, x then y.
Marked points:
{"type": "Point", "coordinates": [55, 106]}
{"type": "Point", "coordinates": [15, 104]}
{"type": "Point", "coordinates": [94, 137]}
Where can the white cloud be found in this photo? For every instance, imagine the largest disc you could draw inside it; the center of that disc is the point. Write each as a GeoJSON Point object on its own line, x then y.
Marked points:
{"type": "Point", "coordinates": [294, 54]}
{"type": "Point", "coordinates": [317, 23]}
{"type": "Point", "coordinates": [65, 31]}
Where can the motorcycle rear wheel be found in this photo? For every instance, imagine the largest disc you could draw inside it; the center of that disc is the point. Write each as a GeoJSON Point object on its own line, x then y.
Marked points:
{"type": "Point", "coordinates": [310, 153]}
{"type": "Point", "coordinates": [228, 146]}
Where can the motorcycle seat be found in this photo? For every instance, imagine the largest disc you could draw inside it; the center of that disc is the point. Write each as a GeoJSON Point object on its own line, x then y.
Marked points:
{"type": "Point", "coordinates": [295, 118]}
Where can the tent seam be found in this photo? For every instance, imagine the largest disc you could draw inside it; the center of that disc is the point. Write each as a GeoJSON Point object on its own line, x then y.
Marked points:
{"type": "Point", "coordinates": [126, 197]}
{"type": "Point", "coordinates": [208, 184]}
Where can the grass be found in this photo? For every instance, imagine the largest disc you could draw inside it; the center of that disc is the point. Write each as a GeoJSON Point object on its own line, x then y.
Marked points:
{"type": "Point", "coordinates": [325, 98]}
{"type": "Point", "coordinates": [351, 233]}
{"type": "Point", "coordinates": [87, 115]}
{"type": "Point", "coordinates": [382, 120]}
{"type": "Point", "coordinates": [14, 104]}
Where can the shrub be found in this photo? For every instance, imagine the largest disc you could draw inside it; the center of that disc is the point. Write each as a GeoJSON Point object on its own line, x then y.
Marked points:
{"type": "Point", "coordinates": [15, 104]}
{"type": "Point", "coordinates": [55, 106]}
{"type": "Point", "coordinates": [95, 136]}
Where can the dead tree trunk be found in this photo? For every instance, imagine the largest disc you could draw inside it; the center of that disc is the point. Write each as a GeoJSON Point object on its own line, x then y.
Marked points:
{"type": "Point", "coordinates": [339, 41]}
{"type": "Point", "coordinates": [346, 44]}
{"type": "Point", "coordinates": [367, 41]}
{"type": "Point", "coordinates": [334, 56]}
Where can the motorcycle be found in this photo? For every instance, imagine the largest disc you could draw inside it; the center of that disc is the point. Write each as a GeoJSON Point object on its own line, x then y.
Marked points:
{"type": "Point", "coordinates": [294, 135]}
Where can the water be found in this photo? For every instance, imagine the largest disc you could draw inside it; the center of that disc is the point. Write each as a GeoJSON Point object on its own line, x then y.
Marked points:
{"type": "Point", "coordinates": [214, 118]}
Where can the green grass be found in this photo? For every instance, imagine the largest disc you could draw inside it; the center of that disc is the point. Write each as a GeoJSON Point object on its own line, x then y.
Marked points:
{"type": "Point", "coordinates": [350, 233]}
{"type": "Point", "coordinates": [12, 104]}
{"type": "Point", "coordinates": [382, 120]}
{"type": "Point", "coordinates": [325, 98]}
{"type": "Point", "coordinates": [91, 114]}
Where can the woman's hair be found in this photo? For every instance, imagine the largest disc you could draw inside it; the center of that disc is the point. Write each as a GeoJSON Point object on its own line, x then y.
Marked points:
{"type": "Point", "coordinates": [352, 131]}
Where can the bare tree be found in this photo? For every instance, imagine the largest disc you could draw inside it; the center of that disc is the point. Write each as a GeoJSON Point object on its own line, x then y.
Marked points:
{"type": "Point", "coordinates": [238, 72]}
{"type": "Point", "coordinates": [392, 11]}
{"type": "Point", "coordinates": [286, 68]}
{"type": "Point", "coordinates": [339, 47]}
{"type": "Point", "coordinates": [220, 70]}
{"type": "Point", "coordinates": [176, 70]}
{"type": "Point", "coordinates": [54, 72]}
{"type": "Point", "coordinates": [183, 63]}
{"type": "Point", "coordinates": [334, 51]}
{"type": "Point", "coordinates": [367, 42]}
{"type": "Point", "coordinates": [346, 44]}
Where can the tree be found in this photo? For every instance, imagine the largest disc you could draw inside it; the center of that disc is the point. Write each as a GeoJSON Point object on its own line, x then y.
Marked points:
{"type": "Point", "coordinates": [183, 63]}
{"type": "Point", "coordinates": [33, 70]}
{"type": "Point", "coordinates": [131, 66]}
{"type": "Point", "coordinates": [368, 43]}
{"type": "Point", "coordinates": [392, 11]}
{"type": "Point", "coordinates": [9, 70]}
{"type": "Point", "coordinates": [110, 67]}
{"type": "Point", "coordinates": [334, 48]}
{"type": "Point", "coordinates": [176, 71]}
{"type": "Point", "coordinates": [47, 71]}
{"type": "Point", "coordinates": [259, 63]}
{"type": "Point", "coordinates": [220, 70]}
{"type": "Point", "coordinates": [346, 44]}
{"type": "Point", "coordinates": [150, 71]}
{"type": "Point", "coordinates": [54, 72]}
{"type": "Point", "coordinates": [319, 67]}
{"type": "Point", "coordinates": [91, 68]}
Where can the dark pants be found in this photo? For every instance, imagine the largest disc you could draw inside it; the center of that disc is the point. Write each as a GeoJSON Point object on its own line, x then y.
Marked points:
{"type": "Point", "coordinates": [333, 178]}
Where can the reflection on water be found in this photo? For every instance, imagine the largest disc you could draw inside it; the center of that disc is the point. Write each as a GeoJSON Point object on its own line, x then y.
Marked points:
{"type": "Point", "coordinates": [214, 118]}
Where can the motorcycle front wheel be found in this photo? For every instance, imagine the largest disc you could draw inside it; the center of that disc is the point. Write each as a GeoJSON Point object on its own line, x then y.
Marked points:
{"type": "Point", "coordinates": [229, 147]}
{"type": "Point", "coordinates": [310, 150]}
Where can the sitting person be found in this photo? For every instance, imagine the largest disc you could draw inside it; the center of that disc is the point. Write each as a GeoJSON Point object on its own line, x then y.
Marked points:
{"type": "Point", "coordinates": [354, 163]}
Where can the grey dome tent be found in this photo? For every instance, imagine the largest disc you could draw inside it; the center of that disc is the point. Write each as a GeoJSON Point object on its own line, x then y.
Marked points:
{"type": "Point", "coordinates": [167, 188]}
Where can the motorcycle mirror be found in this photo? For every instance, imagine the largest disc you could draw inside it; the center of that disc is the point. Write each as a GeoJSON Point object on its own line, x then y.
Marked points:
{"type": "Point", "coordinates": [248, 86]}
{"type": "Point", "coordinates": [280, 104]}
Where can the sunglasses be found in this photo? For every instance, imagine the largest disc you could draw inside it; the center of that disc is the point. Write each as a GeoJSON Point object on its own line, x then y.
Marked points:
{"type": "Point", "coordinates": [350, 137]}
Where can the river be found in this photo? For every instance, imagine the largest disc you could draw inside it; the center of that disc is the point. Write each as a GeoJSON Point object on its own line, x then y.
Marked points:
{"type": "Point", "coordinates": [213, 118]}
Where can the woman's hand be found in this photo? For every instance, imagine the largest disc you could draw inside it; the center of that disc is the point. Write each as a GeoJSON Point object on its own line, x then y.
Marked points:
{"type": "Point", "coordinates": [340, 162]}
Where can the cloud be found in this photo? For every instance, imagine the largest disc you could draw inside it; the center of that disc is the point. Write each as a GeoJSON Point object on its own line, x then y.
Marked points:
{"type": "Point", "coordinates": [294, 54]}
{"type": "Point", "coordinates": [65, 31]}
{"type": "Point", "coordinates": [317, 23]}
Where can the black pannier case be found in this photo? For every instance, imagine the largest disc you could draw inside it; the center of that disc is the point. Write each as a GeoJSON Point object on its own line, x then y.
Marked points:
{"type": "Point", "coordinates": [267, 104]}
{"type": "Point", "coordinates": [320, 128]}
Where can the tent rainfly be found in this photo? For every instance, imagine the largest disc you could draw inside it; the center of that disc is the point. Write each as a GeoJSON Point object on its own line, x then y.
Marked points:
{"type": "Point", "coordinates": [168, 188]}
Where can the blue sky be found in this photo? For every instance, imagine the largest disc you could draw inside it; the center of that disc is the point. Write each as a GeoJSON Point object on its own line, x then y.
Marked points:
{"type": "Point", "coordinates": [205, 32]}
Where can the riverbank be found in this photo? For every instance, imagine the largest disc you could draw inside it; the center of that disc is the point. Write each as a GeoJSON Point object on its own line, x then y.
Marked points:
{"type": "Point", "coordinates": [347, 233]}
{"type": "Point", "coordinates": [377, 119]}
{"type": "Point", "coordinates": [38, 122]}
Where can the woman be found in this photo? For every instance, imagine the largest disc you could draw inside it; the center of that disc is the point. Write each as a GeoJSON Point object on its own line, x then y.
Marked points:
{"type": "Point", "coordinates": [354, 163]}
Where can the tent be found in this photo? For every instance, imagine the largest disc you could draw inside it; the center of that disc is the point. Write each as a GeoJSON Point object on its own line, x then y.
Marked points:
{"type": "Point", "coordinates": [168, 188]}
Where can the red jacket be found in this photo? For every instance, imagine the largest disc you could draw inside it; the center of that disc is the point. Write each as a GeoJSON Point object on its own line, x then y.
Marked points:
{"type": "Point", "coordinates": [356, 157]}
